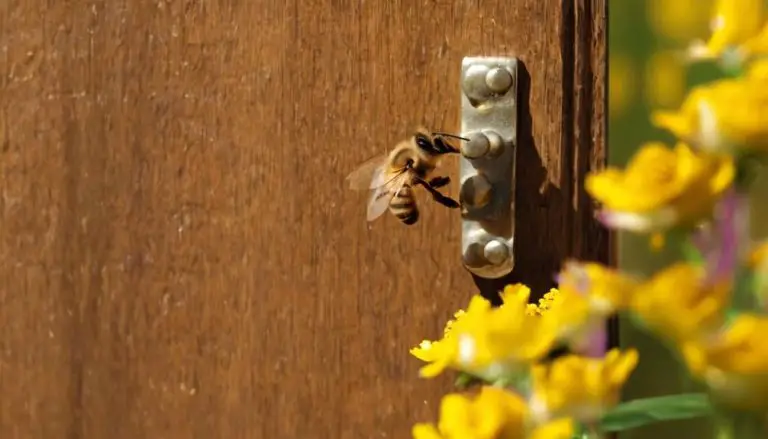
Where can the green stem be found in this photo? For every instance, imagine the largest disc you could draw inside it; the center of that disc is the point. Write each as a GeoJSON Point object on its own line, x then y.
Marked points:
{"type": "Point", "coordinates": [737, 424]}
{"type": "Point", "coordinates": [591, 431]}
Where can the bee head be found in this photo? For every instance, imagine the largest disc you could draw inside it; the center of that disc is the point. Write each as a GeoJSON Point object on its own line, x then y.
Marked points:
{"type": "Point", "coordinates": [425, 144]}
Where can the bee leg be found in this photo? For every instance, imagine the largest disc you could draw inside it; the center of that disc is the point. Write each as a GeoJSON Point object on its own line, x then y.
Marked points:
{"type": "Point", "coordinates": [440, 198]}
{"type": "Point", "coordinates": [447, 201]}
{"type": "Point", "coordinates": [439, 182]}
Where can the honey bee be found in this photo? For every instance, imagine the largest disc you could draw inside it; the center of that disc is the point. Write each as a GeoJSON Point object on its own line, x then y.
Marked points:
{"type": "Point", "coordinates": [391, 178]}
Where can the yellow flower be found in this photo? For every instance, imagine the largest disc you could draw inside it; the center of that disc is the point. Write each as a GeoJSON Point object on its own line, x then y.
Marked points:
{"type": "Point", "coordinates": [756, 46]}
{"type": "Point", "coordinates": [579, 387]}
{"type": "Point", "coordinates": [667, 74]}
{"type": "Point", "coordinates": [545, 303]}
{"type": "Point", "coordinates": [441, 354]}
{"type": "Point", "coordinates": [490, 343]}
{"type": "Point", "coordinates": [588, 294]}
{"type": "Point", "coordinates": [622, 83]}
{"type": "Point", "coordinates": [493, 414]}
{"type": "Point", "coordinates": [437, 352]}
{"type": "Point", "coordinates": [680, 305]}
{"type": "Point", "coordinates": [457, 315]}
{"type": "Point", "coordinates": [734, 363]}
{"type": "Point", "coordinates": [681, 20]}
{"type": "Point", "coordinates": [734, 23]}
{"type": "Point", "coordinates": [721, 116]}
{"type": "Point", "coordinates": [608, 290]}
{"type": "Point", "coordinates": [660, 188]}
{"type": "Point", "coordinates": [758, 70]}
{"type": "Point", "coordinates": [571, 318]}
{"type": "Point", "coordinates": [563, 428]}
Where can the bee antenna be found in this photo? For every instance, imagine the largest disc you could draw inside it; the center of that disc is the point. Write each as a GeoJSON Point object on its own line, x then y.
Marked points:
{"type": "Point", "coordinates": [451, 135]}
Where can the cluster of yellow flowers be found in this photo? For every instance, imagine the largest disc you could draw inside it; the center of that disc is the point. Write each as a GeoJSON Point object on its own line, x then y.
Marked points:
{"type": "Point", "coordinates": [710, 307]}
{"type": "Point", "coordinates": [507, 348]}
{"type": "Point", "coordinates": [695, 187]}
{"type": "Point", "coordinates": [705, 307]}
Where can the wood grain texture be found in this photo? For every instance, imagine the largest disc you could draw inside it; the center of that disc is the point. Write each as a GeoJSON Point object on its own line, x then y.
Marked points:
{"type": "Point", "coordinates": [179, 257]}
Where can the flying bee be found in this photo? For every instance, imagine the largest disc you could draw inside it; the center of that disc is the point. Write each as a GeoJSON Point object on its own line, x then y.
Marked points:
{"type": "Point", "coordinates": [391, 178]}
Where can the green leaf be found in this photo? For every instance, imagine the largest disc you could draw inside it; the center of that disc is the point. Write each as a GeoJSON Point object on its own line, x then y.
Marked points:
{"type": "Point", "coordinates": [647, 411]}
{"type": "Point", "coordinates": [580, 432]}
{"type": "Point", "coordinates": [690, 253]}
{"type": "Point", "coordinates": [465, 380]}
{"type": "Point", "coordinates": [744, 298]}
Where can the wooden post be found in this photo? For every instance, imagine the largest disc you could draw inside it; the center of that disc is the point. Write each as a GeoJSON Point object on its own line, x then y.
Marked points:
{"type": "Point", "coordinates": [179, 256]}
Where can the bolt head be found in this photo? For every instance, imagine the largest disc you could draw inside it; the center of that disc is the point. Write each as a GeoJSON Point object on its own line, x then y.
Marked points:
{"type": "Point", "coordinates": [476, 191]}
{"type": "Point", "coordinates": [496, 252]}
{"type": "Point", "coordinates": [477, 147]}
{"type": "Point", "coordinates": [474, 82]}
{"type": "Point", "coordinates": [498, 80]}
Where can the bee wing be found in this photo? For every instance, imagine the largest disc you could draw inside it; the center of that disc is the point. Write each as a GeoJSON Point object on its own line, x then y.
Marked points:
{"type": "Point", "coordinates": [368, 175]}
{"type": "Point", "coordinates": [383, 194]}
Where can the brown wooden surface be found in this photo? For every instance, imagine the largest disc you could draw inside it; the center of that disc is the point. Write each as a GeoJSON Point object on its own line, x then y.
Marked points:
{"type": "Point", "coordinates": [179, 257]}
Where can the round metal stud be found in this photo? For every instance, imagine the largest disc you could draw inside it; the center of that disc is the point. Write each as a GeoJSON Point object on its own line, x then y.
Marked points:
{"type": "Point", "coordinates": [478, 146]}
{"type": "Point", "coordinates": [474, 83]}
{"type": "Point", "coordinates": [498, 80]}
{"type": "Point", "coordinates": [473, 256]}
{"type": "Point", "coordinates": [483, 144]}
{"type": "Point", "coordinates": [496, 252]}
{"type": "Point", "coordinates": [476, 191]}
{"type": "Point", "coordinates": [495, 143]}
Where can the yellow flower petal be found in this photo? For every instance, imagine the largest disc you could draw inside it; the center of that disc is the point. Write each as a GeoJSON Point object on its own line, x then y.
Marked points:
{"type": "Point", "coordinates": [425, 431]}
{"type": "Point", "coordinates": [493, 413]}
{"type": "Point", "coordinates": [734, 363]}
{"type": "Point", "coordinates": [735, 21]}
{"type": "Point", "coordinates": [558, 429]}
{"type": "Point", "coordinates": [661, 187]}
{"type": "Point", "coordinates": [721, 116]}
{"type": "Point", "coordinates": [490, 343]}
{"type": "Point", "coordinates": [580, 387]}
{"type": "Point", "coordinates": [676, 304]}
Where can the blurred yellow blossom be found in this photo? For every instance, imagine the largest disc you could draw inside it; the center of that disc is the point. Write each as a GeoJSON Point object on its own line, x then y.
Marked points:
{"type": "Point", "coordinates": [680, 304]}
{"type": "Point", "coordinates": [666, 79]}
{"type": "Point", "coordinates": [756, 46]}
{"type": "Point", "coordinates": [721, 116]}
{"type": "Point", "coordinates": [734, 22]}
{"type": "Point", "coordinates": [758, 71]}
{"type": "Point", "coordinates": [588, 294]}
{"type": "Point", "coordinates": [622, 83]}
{"type": "Point", "coordinates": [579, 387]}
{"type": "Point", "coordinates": [563, 428]}
{"type": "Point", "coordinates": [681, 20]}
{"type": "Point", "coordinates": [544, 304]}
{"type": "Point", "coordinates": [734, 363]}
{"type": "Point", "coordinates": [608, 290]}
{"type": "Point", "coordinates": [490, 343]}
{"type": "Point", "coordinates": [660, 188]}
{"type": "Point", "coordinates": [758, 257]}
{"type": "Point", "coordinates": [493, 414]}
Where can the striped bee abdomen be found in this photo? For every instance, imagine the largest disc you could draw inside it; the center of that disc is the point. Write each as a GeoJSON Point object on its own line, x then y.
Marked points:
{"type": "Point", "coordinates": [403, 206]}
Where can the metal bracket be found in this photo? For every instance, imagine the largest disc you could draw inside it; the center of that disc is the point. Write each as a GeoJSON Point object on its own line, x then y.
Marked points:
{"type": "Point", "coordinates": [487, 165]}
